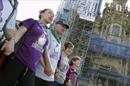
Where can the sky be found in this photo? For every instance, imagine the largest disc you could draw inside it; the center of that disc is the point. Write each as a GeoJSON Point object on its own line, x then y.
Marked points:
{"type": "Point", "coordinates": [31, 8]}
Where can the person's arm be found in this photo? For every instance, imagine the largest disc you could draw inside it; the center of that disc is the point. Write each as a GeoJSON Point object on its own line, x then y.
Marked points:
{"type": "Point", "coordinates": [46, 62]}
{"type": "Point", "coordinates": [19, 34]}
{"type": "Point", "coordinates": [42, 62]}
{"type": "Point", "coordinates": [57, 76]}
{"type": "Point", "coordinates": [68, 78]}
{"type": "Point", "coordinates": [9, 33]}
{"type": "Point", "coordinates": [68, 83]}
{"type": "Point", "coordinates": [77, 84]}
{"type": "Point", "coordinates": [10, 29]}
{"type": "Point", "coordinates": [8, 46]}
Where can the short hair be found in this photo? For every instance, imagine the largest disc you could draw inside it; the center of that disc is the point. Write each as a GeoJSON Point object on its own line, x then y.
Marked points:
{"type": "Point", "coordinates": [75, 58]}
{"type": "Point", "coordinates": [68, 45]}
{"type": "Point", "coordinates": [42, 11]}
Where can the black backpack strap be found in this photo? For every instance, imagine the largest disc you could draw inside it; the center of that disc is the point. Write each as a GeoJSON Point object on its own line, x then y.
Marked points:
{"type": "Point", "coordinates": [10, 16]}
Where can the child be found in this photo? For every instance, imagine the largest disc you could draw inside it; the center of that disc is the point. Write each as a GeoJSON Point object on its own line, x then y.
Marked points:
{"type": "Point", "coordinates": [63, 65]}
{"type": "Point", "coordinates": [72, 75]}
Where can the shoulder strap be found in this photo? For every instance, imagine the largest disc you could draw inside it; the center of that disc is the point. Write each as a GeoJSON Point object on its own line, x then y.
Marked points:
{"type": "Point", "coordinates": [19, 43]}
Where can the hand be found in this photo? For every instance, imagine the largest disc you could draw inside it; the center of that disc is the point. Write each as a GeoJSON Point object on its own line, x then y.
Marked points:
{"type": "Point", "coordinates": [57, 76]}
{"type": "Point", "coordinates": [48, 71]}
{"type": "Point", "coordinates": [68, 83]}
{"type": "Point", "coordinates": [8, 47]}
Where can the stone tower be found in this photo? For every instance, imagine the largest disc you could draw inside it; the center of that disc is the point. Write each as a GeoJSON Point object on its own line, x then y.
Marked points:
{"type": "Point", "coordinates": [110, 46]}
{"type": "Point", "coordinates": [114, 22]}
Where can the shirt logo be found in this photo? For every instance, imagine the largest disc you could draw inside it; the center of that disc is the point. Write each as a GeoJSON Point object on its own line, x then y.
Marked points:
{"type": "Point", "coordinates": [55, 52]}
{"type": "Point", "coordinates": [41, 41]}
{"type": "Point", "coordinates": [39, 44]}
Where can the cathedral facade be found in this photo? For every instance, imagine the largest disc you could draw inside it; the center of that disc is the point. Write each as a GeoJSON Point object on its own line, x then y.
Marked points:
{"type": "Point", "coordinates": [109, 47]}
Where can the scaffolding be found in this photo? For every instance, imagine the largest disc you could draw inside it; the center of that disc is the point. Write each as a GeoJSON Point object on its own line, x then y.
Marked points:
{"type": "Point", "coordinates": [81, 34]}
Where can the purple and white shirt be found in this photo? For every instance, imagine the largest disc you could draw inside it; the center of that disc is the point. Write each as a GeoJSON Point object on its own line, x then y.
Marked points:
{"type": "Point", "coordinates": [54, 52]}
{"type": "Point", "coordinates": [62, 69]}
{"type": "Point", "coordinates": [34, 42]}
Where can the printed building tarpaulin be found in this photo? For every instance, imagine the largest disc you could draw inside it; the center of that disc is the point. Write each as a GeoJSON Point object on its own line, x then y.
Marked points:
{"type": "Point", "coordinates": [88, 9]}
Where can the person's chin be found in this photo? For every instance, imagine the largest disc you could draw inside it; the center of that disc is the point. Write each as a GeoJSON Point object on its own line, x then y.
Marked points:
{"type": "Point", "coordinates": [61, 34]}
{"type": "Point", "coordinates": [49, 21]}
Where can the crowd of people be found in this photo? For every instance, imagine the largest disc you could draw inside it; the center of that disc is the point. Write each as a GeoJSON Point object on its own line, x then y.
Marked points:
{"type": "Point", "coordinates": [40, 59]}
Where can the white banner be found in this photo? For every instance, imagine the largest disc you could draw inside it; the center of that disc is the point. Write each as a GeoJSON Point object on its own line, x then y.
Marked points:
{"type": "Point", "coordinates": [88, 9]}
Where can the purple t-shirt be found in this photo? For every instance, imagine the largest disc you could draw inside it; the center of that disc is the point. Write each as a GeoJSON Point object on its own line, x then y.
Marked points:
{"type": "Point", "coordinates": [33, 44]}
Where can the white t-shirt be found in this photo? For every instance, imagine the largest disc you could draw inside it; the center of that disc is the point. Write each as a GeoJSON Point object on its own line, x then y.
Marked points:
{"type": "Point", "coordinates": [5, 10]}
{"type": "Point", "coordinates": [54, 50]}
{"type": "Point", "coordinates": [62, 69]}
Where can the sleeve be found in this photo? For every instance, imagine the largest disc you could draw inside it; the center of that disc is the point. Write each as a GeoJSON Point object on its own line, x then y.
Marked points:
{"type": "Point", "coordinates": [77, 81]}
{"type": "Point", "coordinates": [11, 24]}
{"type": "Point", "coordinates": [27, 23]}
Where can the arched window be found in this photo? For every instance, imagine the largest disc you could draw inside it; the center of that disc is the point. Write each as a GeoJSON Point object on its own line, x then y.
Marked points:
{"type": "Point", "coordinates": [118, 7]}
{"type": "Point", "coordinates": [116, 30]}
